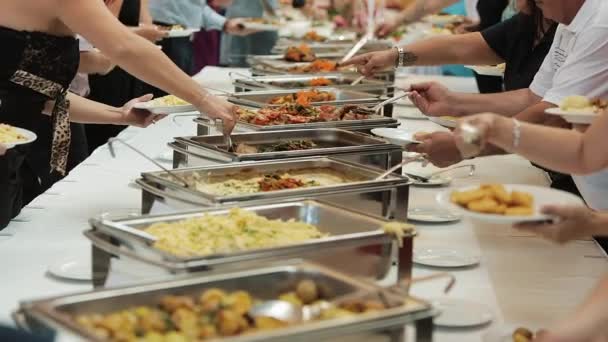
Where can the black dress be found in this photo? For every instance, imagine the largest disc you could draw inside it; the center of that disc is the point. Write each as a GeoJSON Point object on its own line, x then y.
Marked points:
{"type": "Point", "coordinates": [36, 68]}
{"type": "Point", "coordinates": [490, 14]}
{"type": "Point", "coordinates": [115, 88]}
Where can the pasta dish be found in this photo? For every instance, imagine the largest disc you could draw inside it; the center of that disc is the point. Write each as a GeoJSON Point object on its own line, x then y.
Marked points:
{"type": "Point", "coordinates": [239, 230]}
{"type": "Point", "coordinates": [168, 101]}
{"type": "Point", "coordinates": [8, 134]}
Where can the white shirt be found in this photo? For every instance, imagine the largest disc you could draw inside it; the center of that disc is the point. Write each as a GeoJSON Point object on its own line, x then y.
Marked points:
{"type": "Point", "coordinates": [577, 64]}
{"type": "Point", "coordinates": [80, 83]}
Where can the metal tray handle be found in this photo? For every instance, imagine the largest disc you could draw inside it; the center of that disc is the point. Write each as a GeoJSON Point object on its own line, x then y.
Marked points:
{"type": "Point", "coordinates": [111, 249]}
{"type": "Point", "coordinates": [182, 150]}
{"type": "Point", "coordinates": [157, 192]}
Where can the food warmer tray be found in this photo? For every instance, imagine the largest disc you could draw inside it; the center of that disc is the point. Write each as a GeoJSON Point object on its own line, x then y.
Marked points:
{"type": "Point", "coordinates": [278, 60]}
{"type": "Point", "coordinates": [332, 46]}
{"type": "Point", "coordinates": [363, 125]}
{"type": "Point", "coordinates": [341, 80]}
{"type": "Point", "coordinates": [345, 145]}
{"type": "Point", "coordinates": [387, 197]}
{"type": "Point", "coordinates": [54, 316]}
{"type": "Point", "coordinates": [353, 236]}
{"type": "Point", "coordinates": [262, 98]}
{"type": "Point", "coordinates": [268, 70]}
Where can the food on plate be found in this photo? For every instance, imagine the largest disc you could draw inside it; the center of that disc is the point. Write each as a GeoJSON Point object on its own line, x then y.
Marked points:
{"type": "Point", "coordinates": [321, 82]}
{"type": "Point", "coordinates": [213, 314]}
{"type": "Point", "coordinates": [319, 65]}
{"type": "Point", "coordinates": [304, 97]}
{"type": "Point", "coordinates": [301, 53]}
{"type": "Point", "coordinates": [172, 28]}
{"type": "Point", "coordinates": [9, 134]}
{"type": "Point", "coordinates": [522, 335]}
{"type": "Point", "coordinates": [168, 101]}
{"type": "Point", "coordinates": [502, 67]}
{"type": "Point", "coordinates": [238, 230]}
{"type": "Point", "coordinates": [441, 30]}
{"type": "Point", "coordinates": [313, 36]}
{"type": "Point", "coordinates": [263, 21]}
{"type": "Point", "coordinates": [282, 146]}
{"type": "Point", "coordinates": [298, 114]}
{"type": "Point", "coordinates": [254, 182]}
{"type": "Point", "coordinates": [397, 35]}
{"type": "Point", "coordinates": [582, 104]}
{"type": "Point", "coordinates": [495, 199]}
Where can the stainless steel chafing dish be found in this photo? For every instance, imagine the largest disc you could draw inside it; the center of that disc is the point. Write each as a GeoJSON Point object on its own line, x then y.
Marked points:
{"type": "Point", "coordinates": [261, 98]}
{"type": "Point", "coordinates": [275, 64]}
{"type": "Point", "coordinates": [353, 236]}
{"type": "Point", "coordinates": [387, 197]}
{"type": "Point", "coordinates": [299, 81]}
{"type": "Point", "coordinates": [55, 316]}
{"type": "Point", "coordinates": [331, 45]}
{"type": "Point", "coordinates": [345, 145]}
{"type": "Point", "coordinates": [363, 125]}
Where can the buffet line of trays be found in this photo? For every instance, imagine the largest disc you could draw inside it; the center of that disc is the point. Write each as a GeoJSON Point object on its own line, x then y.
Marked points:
{"type": "Point", "coordinates": [235, 236]}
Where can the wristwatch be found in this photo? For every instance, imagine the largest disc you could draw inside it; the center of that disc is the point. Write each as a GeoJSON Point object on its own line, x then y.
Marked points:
{"type": "Point", "coordinates": [400, 57]}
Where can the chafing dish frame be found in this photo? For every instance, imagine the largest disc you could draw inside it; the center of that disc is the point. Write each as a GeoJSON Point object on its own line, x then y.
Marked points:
{"type": "Point", "coordinates": [262, 98]}
{"type": "Point", "coordinates": [355, 146]}
{"type": "Point", "coordinates": [56, 314]}
{"type": "Point", "coordinates": [372, 86]}
{"type": "Point", "coordinates": [394, 188]}
{"type": "Point", "coordinates": [363, 125]}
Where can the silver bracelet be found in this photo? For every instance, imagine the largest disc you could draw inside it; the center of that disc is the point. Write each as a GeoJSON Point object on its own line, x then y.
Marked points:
{"type": "Point", "coordinates": [400, 56]}
{"type": "Point", "coordinates": [516, 133]}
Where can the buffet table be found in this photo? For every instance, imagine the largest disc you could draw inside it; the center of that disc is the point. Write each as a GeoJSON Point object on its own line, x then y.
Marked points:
{"type": "Point", "coordinates": [526, 280]}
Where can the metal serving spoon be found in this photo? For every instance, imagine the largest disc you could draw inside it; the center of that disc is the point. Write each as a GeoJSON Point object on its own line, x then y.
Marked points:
{"type": "Point", "coordinates": [287, 312]}
{"type": "Point", "coordinates": [421, 157]}
{"type": "Point", "coordinates": [111, 142]}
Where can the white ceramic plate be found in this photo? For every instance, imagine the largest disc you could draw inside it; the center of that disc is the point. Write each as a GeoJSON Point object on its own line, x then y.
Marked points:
{"type": "Point", "coordinates": [29, 136]}
{"type": "Point", "coordinates": [443, 121]}
{"type": "Point", "coordinates": [152, 108]}
{"type": "Point", "coordinates": [181, 33]}
{"type": "Point", "coordinates": [487, 70]}
{"type": "Point", "coordinates": [431, 215]}
{"type": "Point", "coordinates": [444, 257]}
{"type": "Point", "coordinates": [261, 26]}
{"type": "Point", "coordinates": [72, 268]}
{"type": "Point", "coordinates": [410, 115]}
{"type": "Point", "coordinates": [396, 136]}
{"type": "Point", "coordinates": [572, 117]}
{"type": "Point", "coordinates": [461, 313]}
{"type": "Point", "coordinates": [442, 19]}
{"type": "Point", "coordinates": [542, 196]}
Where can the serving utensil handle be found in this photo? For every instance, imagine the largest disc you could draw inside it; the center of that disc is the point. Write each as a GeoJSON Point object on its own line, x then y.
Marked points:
{"type": "Point", "coordinates": [111, 142]}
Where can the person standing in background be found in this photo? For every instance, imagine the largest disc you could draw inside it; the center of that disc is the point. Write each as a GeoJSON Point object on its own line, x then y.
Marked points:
{"type": "Point", "coordinates": [189, 14]}
{"type": "Point", "coordinates": [235, 49]}
{"type": "Point", "coordinates": [117, 87]}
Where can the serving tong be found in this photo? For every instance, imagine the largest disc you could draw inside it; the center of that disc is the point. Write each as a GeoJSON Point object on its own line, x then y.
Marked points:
{"type": "Point", "coordinates": [426, 179]}
{"type": "Point", "coordinates": [177, 177]}
{"type": "Point", "coordinates": [375, 109]}
{"type": "Point", "coordinates": [421, 158]}
{"type": "Point", "coordinates": [287, 312]}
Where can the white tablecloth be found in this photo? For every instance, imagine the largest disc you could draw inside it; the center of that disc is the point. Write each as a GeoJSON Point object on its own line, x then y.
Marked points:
{"type": "Point", "coordinates": [524, 279]}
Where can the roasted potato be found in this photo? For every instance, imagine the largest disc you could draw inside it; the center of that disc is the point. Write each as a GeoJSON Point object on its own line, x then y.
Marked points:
{"type": "Point", "coordinates": [495, 199]}
{"type": "Point", "coordinates": [307, 291]}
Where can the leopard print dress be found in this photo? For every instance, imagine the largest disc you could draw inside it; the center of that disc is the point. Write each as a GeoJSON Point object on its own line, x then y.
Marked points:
{"type": "Point", "coordinates": [34, 68]}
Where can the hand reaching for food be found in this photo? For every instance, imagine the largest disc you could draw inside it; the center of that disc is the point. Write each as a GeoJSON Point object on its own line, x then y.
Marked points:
{"type": "Point", "coordinates": [369, 64]}
{"type": "Point", "coordinates": [439, 147]}
{"type": "Point", "coordinates": [433, 99]}
{"type": "Point", "coordinates": [473, 132]}
{"type": "Point", "coordinates": [139, 117]}
{"type": "Point", "coordinates": [218, 108]}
